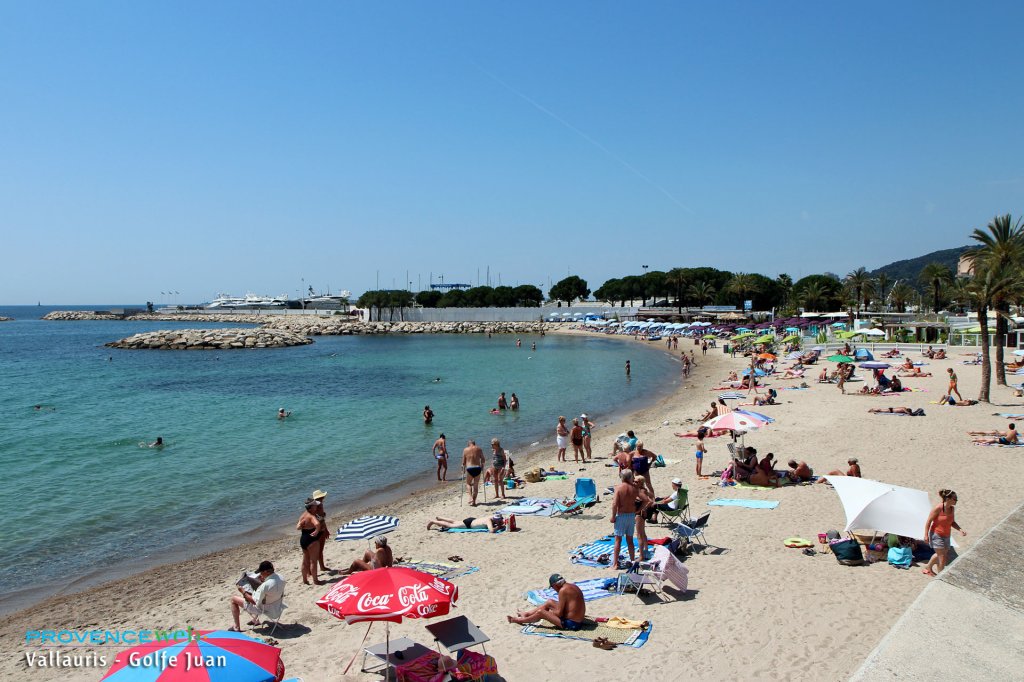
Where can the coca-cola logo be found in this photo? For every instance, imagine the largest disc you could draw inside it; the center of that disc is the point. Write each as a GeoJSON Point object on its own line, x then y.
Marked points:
{"type": "Point", "coordinates": [342, 592]}
{"type": "Point", "coordinates": [426, 610]}
{"type": "Point", "coordinates": [371, 602]}
{"type": "Point", "coordinates": [412, 594]}
{"type": "Point", "coordinates": [442, 586]}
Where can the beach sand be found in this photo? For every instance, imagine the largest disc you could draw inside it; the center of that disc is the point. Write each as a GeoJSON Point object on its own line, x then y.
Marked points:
{"type": "Point", "coordinates": [755, 609]}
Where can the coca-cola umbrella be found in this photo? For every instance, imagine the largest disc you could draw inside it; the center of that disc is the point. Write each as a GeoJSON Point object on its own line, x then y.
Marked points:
{"type": "Point", "coordinates": [390, 595]}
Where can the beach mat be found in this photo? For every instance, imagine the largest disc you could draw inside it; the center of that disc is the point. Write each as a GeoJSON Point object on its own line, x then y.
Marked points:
{"type": "Point", "coordinates": [586, 555]}
{"type": "Point", "coordinates": [1001, 445]}
{"type": "Point", "coordinates": [590, 631]}
{"type": "Point", "coordinates": [746, 486]}
{"type": "Point", "coordinates": [533, 506]}
{"type": "Point", "coordinates": [471, 530]}
{"type": "Point", "coordinates": [747, 504]}
{"type": "Point", "coordinates": [592, 588]}
{"type": "Point", "coordinates": [438, 569]}
{"type": "Point", "coordinates": [1007, 415]}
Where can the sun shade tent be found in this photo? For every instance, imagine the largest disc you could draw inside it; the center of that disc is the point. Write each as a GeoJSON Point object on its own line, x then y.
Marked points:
{"type": "Point", "coordinates": [883, 507]}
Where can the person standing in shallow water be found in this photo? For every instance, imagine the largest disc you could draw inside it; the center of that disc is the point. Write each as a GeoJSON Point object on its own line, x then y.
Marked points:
{"type": "Point", "coordinates": [440, 452]}
{"type": "Point", "coordinates": [514, 403]}
{"type": "Point", "coordinates": [428, 414]}
{"type": "Point", "coordinates": [627, 368]}
{"type": "Point", "coordinates": [502, 402]}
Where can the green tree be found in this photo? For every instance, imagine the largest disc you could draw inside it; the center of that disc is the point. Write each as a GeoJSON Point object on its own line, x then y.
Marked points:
{"type": "Point", "coordinates": [936, 276]}
{"type": "Point", "coordinates": [527, 296]}
{"type": "Point", "coordinates": [997, 262]}
{"type": "Point", "coordinates": [655, 285]}
{"type": "Point", "coordinates": [701, 292]}
{"type": "Point", "coordinates": [812, 296]}
{"type": "Point", "coordinates": [677, 282]}
{"type": "Point", "coordinates": [785, 284]}
{"type": "Point", "coordinates": [828, 292]}
{"type": "Point", "coordinates": [858, 280]}
{"type": "Point", "coordinates": [455, 298]}
{"type": "Point", "coordinates": [429, 298]}
{"type": "Point", "coordinates": [569, 289]}
{"type": "Point", "coordinates": [478, 297]}
{"type": "Point", "coordinates": [901, 294]}
{"type": "Point", "coordinates": [882, 287]}
{"type": "Point", "coordinates": [373, 300]}
{"type": "Point", "coordinates": [503, 297]}
{"type": "Point", "coordinates": [742, 286]}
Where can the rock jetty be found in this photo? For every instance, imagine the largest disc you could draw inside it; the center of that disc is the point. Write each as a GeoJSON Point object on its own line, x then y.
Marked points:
{"type": "Point", "coordinates": [211, 339]}
{"type": "Point", "coordinates": [73, 315]}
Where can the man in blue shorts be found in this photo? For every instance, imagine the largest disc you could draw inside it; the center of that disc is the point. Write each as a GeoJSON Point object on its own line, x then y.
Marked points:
{"type": "Point", "coordinates": [624, 516]}
{"type": "Point", "coordinates": [565, 613]}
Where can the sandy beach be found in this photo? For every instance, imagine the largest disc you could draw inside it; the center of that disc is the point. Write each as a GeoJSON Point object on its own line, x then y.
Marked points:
{"type": "Point", "coordinates": [755, 609]}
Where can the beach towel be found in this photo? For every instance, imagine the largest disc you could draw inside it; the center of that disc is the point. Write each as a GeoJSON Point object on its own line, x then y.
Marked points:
{"type": "Point", "coordinates": [1000, 445]}
{"type": "Point", "coordinates": [746, 486]}
{"type": "Point", "coordinates": [587, 555]}
{"type": "Point", "coordinates": [1007, 415]}
{"type": "Point", "coordinates": [533, 506]}
{"type": "Point", "coordinates": [438, 569]}
{"type": "Point", "coordinates": [794, 388]}
{"type": "Point", "coordinates": [732, 396]}
{"type": "Point", "coordinates": [592, 588]}
{"type": "Point", "coordinates": [590, 631]}
{"type": "Point", "coordinates": [748, 504]}
{"type": "Point", "coordinates": [471, 530]}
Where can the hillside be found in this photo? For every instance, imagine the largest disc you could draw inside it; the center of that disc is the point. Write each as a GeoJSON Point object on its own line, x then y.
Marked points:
{"type": "Point", "coordinates": [909, 269]}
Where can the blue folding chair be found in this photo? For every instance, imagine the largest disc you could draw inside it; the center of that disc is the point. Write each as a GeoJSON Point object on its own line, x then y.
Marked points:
{"type": "Point", "coordinates": [586, 487]}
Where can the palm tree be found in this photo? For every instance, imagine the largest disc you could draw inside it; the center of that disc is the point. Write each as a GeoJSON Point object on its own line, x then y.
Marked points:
{"type": "Point", "coordinates": [701, 292]}
{"type": "Point", "coordinates": [900, 294]}
{"type": "Point", "coordinates": [677, 281]}
{"type": "Point", "coordinates": [858, 280]}
{"type": "Point", "coordinates": [812, 296]}
{"type": "Point", "coordinates": [936, 276]}
{"type": "Point", "coordinates": [785, 283]}
{"type": "Point", "coordinates": [990, 284]}
{"type": "Point", "coordinates": [883, 286]}
{"type": "Point", "coordinates": [960, 293]}
{"type": "Point", "coordinates": [743, 285]}
{"type": "Point", "coordinates": [997, 259]}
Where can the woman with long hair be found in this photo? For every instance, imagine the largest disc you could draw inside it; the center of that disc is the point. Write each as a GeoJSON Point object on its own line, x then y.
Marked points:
{"type": "Point", "coordinates": [938, 529]}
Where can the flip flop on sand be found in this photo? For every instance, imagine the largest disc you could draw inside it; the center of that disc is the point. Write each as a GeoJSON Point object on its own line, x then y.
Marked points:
{"type": "Point", "coordinates": [927, 572]}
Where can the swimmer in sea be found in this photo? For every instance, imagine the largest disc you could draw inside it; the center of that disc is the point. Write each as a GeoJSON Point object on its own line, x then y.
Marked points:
{"type": "Point", "coordinates": [281, 414]}
{"type": "Point", "coordinates": [158, 443]}
{"type": "Point", "coordinates": [437, 380]}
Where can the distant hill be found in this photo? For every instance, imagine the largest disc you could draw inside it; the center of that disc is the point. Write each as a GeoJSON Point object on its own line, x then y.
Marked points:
{"type": "Point", "coordinates": [909, 269]}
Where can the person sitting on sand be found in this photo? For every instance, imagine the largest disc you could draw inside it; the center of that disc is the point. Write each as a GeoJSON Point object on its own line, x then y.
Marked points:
{"type": "Point", "coordinates": [380, 558]}
{"type": "Point", "coordinates": [824, 378]}
{"type": "Point", "coordinates": [619, 455]}
{"type": "Point", "coordinates": [710, 414]}
{"type": "Point", "coordinates": [912, 372]}
{"type": "Point", "coordinates": [266, 600]}
{"type": "Point", "coordinates": [492, 523]}
{"type": "Point", "coordinates": [939, 355]}
{"type": "Point", "coordinates": [854, 470]}
{"type": "Point", "coordinates": [793, 373]}
{"type": "Point", "coordinates": [1009, 437]}
{"type": "Point", "coordinates": [799, 472]}
{"type": "Point", "coordinates": [565, 613]}
{"type": "Point", "coordinates": [895, 386]}
{"type": "Point", "coordinates": [764, 474]}
{"type": "Point", "coordinates": [744, 465]}
{"type": "Point", "coordinates": [733, 376]}
{"type": "Point", "coordinates": [895, 352]}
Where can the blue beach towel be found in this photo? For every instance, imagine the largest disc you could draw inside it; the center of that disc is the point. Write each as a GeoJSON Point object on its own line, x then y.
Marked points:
{"type": "Point", "coordinates": [593, 588]}
{"type": "Point", "coordinates": [586, 555]}
{"type": "Point", "coordinates": [748, 504]}
{"type": "Point", "coordinates": [635, 641]}
{"type": "Point", "coordinates": [532, 506]}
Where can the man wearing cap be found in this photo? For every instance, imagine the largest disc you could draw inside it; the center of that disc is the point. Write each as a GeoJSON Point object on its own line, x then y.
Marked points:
{"type": "Point", "coordinates": [565, 613]}
{"type": "Point", "coordinates": [324, 532]}
{"type": "Point", "coordinates": [266, 600]}
{"type": "Point", "coordinates": [671, 502]}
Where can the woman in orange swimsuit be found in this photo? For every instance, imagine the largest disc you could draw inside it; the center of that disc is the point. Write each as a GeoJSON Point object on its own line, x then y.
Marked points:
{"type": "Point", "coordinates": [938, 528]}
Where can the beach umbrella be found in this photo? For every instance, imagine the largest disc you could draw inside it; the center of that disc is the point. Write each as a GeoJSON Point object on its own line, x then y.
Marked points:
{"type": "Point", "coordinates": [766, 356]}
{"type": "Point", "coordinates": [839, 358]}
{"type": "Point", "coordinates": [845, 335]}
{"type": "Point", "coordinates": [708, 336]}
{"type": "Point", "coordinates": [873, 505]}
{"type": "Point", "coordinates": [839, 325]}
{"type": "Point", "coordinates": [794, 355]}
{"type": "Point", "coordinates": [875, 365]}
{"type": "Point", "coordinates": [872, 332]}
{"type": "Point", "coordinates": [366, 527]}
{"type": "Point", "coordinates": [765, 338]}
{"type": "Point", "coordinates": [247, 659]}
{"type": "Point", "coordinates": [791, 337]}
{"type": "Point", "coordinates": [863, 354]}
{"type": "Point", "coordinates": [734, 421]}
{"type": "Point", "coordinates": [757, 415]}
{"type": "Point", "coordinates": [389, 595]}
{"type": "Point", "coordinates": [757, 372]}
{"type": "Point", "coordinates": [1019, 352]}
{"type": "Point", "coordinates": [744, 335]}
{"type": "Point", "coordinates": [792, 329]}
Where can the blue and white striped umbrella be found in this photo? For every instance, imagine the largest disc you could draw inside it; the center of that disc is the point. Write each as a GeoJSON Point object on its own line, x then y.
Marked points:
{"type": "Point", "coordinates": [366, 527]}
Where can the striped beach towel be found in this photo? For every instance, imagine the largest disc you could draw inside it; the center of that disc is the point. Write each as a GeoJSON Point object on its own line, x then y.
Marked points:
{"type": "Point", "coordinates": [438, 569]}
{"type": "Point", "coordinates": [533, 506]}
{"type": "Point", "coordinates": [593, 588]}
{"type": "Point", "coordinates": [587, 555]}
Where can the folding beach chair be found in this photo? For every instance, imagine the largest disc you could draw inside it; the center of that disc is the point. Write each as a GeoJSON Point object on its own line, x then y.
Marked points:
{"type": "Point", "coordinates": [574, 508]}
{"type": "Point", "coordinates": [693, 530]}
{"type": "Point", "coordinates": [681, 514]}
{"type": "Point", "coordinates": [586, 487]}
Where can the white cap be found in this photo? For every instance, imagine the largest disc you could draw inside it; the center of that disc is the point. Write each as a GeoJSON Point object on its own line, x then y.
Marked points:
{"type": "Point", "coordinates": [676, 481]}
{"type": "Point", "coordinates": [584, 415]}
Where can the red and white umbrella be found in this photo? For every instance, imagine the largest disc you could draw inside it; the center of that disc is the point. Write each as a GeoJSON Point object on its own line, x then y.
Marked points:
{"type": "Point", "coordinates": [390, 595]}
{"type": "Point", "coordinates": [199, 656]}
{"type": "Point", "coordinates": [735, 421]}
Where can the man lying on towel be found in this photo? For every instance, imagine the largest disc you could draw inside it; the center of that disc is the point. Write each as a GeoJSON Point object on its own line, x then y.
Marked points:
{"type": "Point", "coordinates": [565, 613]}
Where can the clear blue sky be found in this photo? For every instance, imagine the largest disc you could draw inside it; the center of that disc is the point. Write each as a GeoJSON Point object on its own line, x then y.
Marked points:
{"type": "Point", "coordinates": [266, 146]}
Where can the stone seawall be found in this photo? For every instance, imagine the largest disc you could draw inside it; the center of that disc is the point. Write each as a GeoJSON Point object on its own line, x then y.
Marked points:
{"type": "Point", "coordinates": [211, 339]}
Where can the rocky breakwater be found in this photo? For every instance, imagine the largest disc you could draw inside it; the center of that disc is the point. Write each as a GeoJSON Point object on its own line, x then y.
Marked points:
{"type": "Point", "coordinates": [69, 315]}
{"type": "Point", "coordinates": [211, 339]}
{"type": "Point", "coordinates": [328, 327]}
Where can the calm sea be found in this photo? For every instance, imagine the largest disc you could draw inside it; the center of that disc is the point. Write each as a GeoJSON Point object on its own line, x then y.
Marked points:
{"type": "Point", "coordinates": [79, 496]}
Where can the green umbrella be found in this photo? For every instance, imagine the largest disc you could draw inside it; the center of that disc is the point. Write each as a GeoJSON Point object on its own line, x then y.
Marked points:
{"type": "Point", "coordinates": [709, 336]}
{"type": "Point", "coordinates": [846, 335]}
{"type": "Point", "coordinates": [839, 358]}
{"type": "Point", "coordinates": [791, 337]}
{"type": "Point", "coordinates": [765, 338]}
{"type": "Point", "coordinates": [741, 336]}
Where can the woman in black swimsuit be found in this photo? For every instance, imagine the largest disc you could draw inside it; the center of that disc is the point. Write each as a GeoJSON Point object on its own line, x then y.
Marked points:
{"type": "Point", "coordinates": [309, 528]}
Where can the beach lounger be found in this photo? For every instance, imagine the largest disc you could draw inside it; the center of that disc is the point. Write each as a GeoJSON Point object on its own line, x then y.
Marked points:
{"type": "Point", "coordinates": [394, 653]}
{"type": "Point", "coordinates": [639, 579]}
{"type": "Point", "coordinates": [574, 508]}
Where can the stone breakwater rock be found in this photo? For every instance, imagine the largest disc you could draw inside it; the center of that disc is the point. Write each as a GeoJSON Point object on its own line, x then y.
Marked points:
{"type": "Point", "coordinates": [67, 315]}
{"type": "Point", "coordinates": [211, 339]}
{"type": "Point", "coordinates": [157, 317]}
{"type": "Point", "coordinates": [328, 327]}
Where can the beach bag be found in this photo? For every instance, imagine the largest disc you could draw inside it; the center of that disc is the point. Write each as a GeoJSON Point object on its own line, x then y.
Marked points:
{"type": "Point", "coordinates": [659, 461]}
{"type": "Point", "coordinates": [900, 557]}
{"type": "Point", "coordinates": [848, 552]}
{"type": "Point", "coordinates": [533, 475]}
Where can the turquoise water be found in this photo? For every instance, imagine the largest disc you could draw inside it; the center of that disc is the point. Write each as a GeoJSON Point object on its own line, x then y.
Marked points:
{"type": "Point", "coordinates": [79, 495]}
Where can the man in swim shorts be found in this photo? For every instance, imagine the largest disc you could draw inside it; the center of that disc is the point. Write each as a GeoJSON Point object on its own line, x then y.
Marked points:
{"type": "Point", "coordinates": [473, 466]}
{"type": "Point", "coordinates": [440, 452]}
{"type": "Point", "coordinates": [624, 516]}
{"type": "Point", "coordinates": [1008, 438]}
{"type": "Point", "coordinates": [566, 612]}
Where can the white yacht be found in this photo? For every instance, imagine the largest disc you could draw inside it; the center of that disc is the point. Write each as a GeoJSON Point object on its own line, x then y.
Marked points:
{"type": "Point", "coordinates": [328, 301]}
{"type": "Point", "coordinates": [249, 302]}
